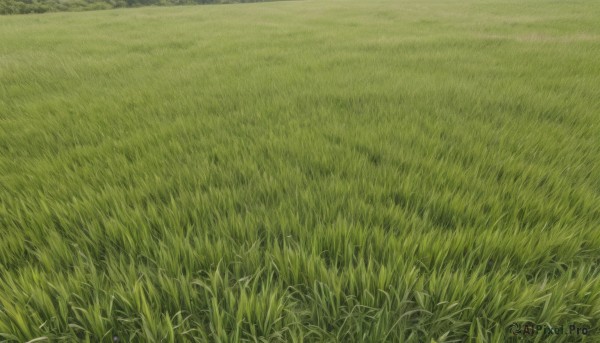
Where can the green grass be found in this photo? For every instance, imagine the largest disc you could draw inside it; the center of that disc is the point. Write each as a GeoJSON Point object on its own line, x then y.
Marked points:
{"type": "Point", "coordinates": [306, 171]}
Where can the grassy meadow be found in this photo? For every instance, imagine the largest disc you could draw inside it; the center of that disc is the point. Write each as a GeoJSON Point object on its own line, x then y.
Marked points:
{"type": "Point", "coordinates": [301, 171]}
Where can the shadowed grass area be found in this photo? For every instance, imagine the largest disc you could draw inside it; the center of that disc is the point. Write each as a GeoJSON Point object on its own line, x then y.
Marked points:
{"type": "Point", "coordinates": [42, 6]}
{"type": "Point", "coordinates": [350, 171]}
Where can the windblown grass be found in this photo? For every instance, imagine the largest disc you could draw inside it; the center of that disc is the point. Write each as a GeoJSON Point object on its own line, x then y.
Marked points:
{"type": "Point", "coordinates": [351, 171]}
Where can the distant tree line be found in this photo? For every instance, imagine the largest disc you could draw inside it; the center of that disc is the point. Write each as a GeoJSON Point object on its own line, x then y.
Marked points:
{"type": "Point", "coordinates": [41, 6]}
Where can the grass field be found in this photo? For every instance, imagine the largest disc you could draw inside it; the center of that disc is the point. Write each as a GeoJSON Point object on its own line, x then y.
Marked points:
{"type": "Point", "coordinates": [301, 171]}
